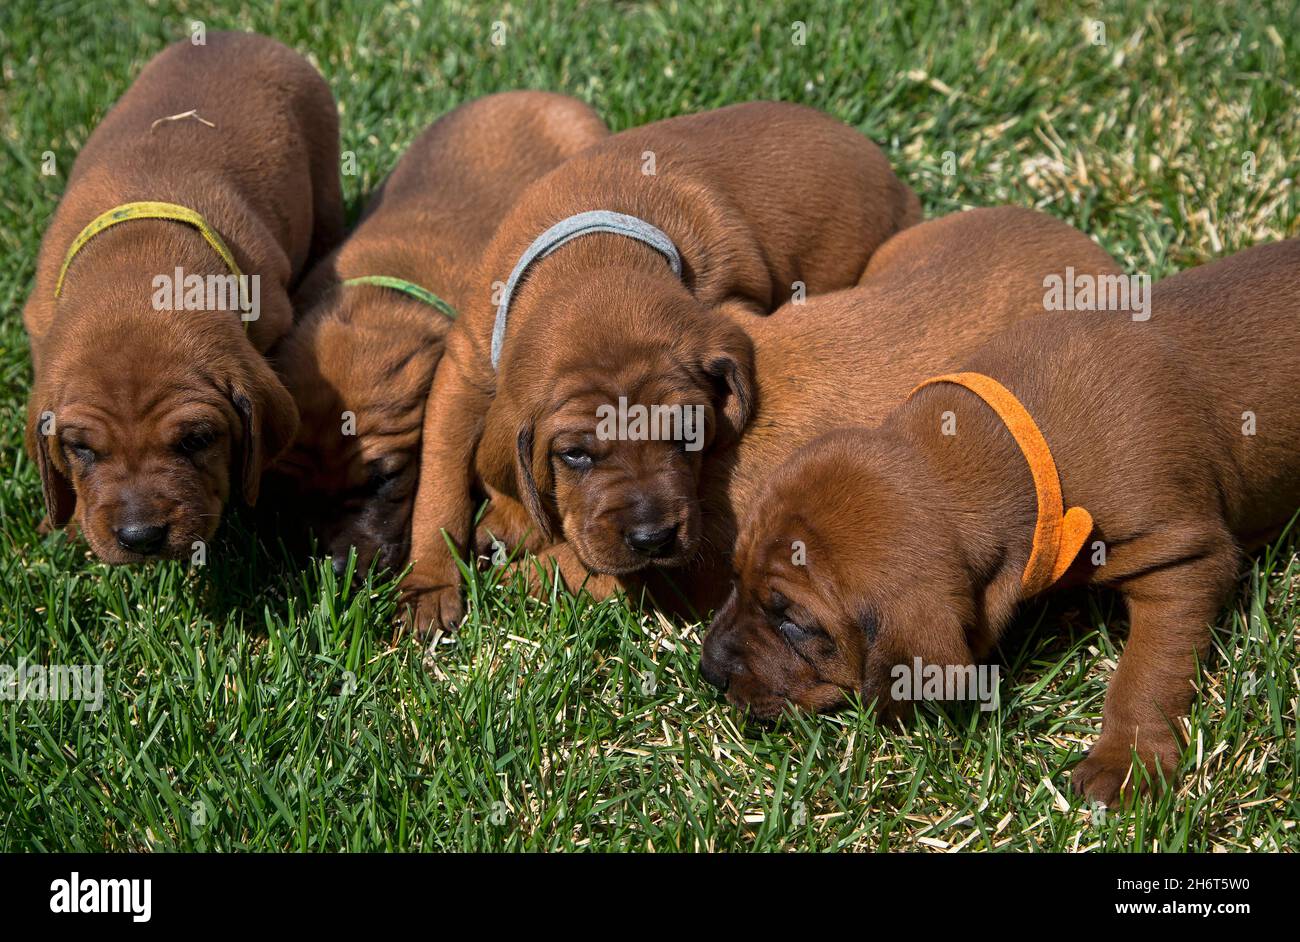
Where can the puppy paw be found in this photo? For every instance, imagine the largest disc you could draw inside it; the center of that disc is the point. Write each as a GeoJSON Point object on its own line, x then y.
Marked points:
{"type": "Point", "coordinates": [424, 610]}
{"type": "Point", "coordinates": [1107, 776]}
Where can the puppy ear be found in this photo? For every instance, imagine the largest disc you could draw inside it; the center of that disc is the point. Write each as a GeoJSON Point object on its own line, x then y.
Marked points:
{"type": "Point", "coordinates": [527, 481]}
{"type": "Point", "coordinates": [268, 420]}
{"type": "Point", "coordinates": [932, 630]}
{"type": "Point", "coordinates": [60, 498]}
{"type": "Point", "coordinates": [729, 365]}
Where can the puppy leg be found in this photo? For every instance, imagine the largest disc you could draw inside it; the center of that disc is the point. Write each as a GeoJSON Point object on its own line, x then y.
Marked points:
{"type": "Point", "coordinates": [1170, 613]}
{"type": "Point", "coordinates": [453, 424]}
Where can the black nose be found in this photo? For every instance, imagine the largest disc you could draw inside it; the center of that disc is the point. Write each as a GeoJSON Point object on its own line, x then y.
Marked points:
{"type": "Point", "coordinates": [340, 564]}
{"type": "Point", "coordinates": [713, 675]}
{"type": "Point", "coordinates": [141, 538]}
{"type": "Point", "coordinates": [650, 540]}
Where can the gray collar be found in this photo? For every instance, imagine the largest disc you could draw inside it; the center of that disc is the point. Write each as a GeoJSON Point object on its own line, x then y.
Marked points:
{"type": "Point", "coordinates": [598, 220]}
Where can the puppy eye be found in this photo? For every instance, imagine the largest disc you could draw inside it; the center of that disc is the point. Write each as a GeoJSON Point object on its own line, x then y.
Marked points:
{"type": "Point", "coordinates": [195, 442]}
{"type": "Point", "coordinates": [577, 459]}
{"type": "Point", "coordinates": [82, 452]}
{"type": "Point", "coordinates": [381, 477]}
{"type": "Point", "coordinates": [793, 631]}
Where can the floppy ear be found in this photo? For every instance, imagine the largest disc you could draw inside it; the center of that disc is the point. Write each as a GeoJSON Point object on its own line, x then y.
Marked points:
{"type": "Point", "coordinates": [60, 498]}
{"type": "Point", "coordinates": [729, 364]}
{"type": "Point", "coordinates": [268, 420]}
{"type": "Point", "coordinates": [527, 481]}
{"type": "Point", "coordinates": [931, 630]}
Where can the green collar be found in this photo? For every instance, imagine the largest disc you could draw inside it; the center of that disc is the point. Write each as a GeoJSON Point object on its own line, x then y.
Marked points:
{"type": "Point", "coordinates": [406, 287]}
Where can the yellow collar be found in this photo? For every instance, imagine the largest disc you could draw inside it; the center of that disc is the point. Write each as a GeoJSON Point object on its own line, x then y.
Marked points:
{"type": "Point", "coordinates": [1058, 535]}
{"type": "Point", "coordinates": [147, 210]}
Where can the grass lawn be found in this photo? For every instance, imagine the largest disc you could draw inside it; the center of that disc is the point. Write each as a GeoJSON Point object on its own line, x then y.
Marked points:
{"type": "Point", "coordinates": [256, 704]}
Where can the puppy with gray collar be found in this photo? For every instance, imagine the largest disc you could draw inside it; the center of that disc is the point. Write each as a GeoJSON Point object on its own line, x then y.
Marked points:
{"type": "Point", "coordinates": [623, 277]}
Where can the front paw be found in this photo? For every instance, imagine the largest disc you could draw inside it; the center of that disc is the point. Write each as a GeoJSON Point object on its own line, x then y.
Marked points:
{"type": "Point", "coordinates": [1108, 773]}
{"type": "Point", "coordinates": [425, 609]}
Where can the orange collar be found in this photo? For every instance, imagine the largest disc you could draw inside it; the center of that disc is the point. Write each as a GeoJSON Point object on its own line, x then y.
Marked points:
{"type": "Point", "coordinates": [1058, 536]}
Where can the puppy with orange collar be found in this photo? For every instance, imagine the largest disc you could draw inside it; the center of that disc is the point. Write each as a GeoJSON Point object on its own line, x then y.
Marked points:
{"type": "Point", "coordinates": [1141, 450]}
{"type": "Point", "coordinates": [360, 361]}
{"type": "Point", "coordinates": [163, 278]}
{"type": "Point", "coordinates": [615, 274]}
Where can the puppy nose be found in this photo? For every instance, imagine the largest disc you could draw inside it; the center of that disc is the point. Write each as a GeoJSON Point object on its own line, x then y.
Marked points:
{"type": "Point", "coordinates": [650, 540]}
{"type": "Point", "coordinates": [145, 539]}
{"type": "Point", "coordinates": [340, 564]}
{"type": "Point", "coordinates": [714, 676]}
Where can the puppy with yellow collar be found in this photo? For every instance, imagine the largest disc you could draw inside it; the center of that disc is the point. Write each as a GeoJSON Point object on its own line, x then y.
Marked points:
{"type": "Point", "coordinates": [163, 278]}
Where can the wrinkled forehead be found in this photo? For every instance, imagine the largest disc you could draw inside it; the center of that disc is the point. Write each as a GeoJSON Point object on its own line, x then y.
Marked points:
{"type": "Point", "coordinates": [766, 527]}
{"type": "Point", "coordinates": [784, 539]}
{"type": "Point", "coordinates": [338, 447]}
{"type": "Point", "coordinates": [766, 554]}
{"type": "Point", "coordinates": [575, 392]}
{"type": "Point", "coordinates": [140, 407]}
{"type": "Point", "coordinates": [380, 413]}
{"type": "Point", "coordinates": [785, 565]}
{"type": "Point", "coordinates": [661, 425]}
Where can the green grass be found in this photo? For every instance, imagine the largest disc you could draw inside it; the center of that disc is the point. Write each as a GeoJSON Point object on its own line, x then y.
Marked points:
{"type": "Point", "coordinates": [258, 705]}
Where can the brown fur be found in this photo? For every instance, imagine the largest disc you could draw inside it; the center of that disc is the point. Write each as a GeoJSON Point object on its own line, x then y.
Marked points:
{"type": "Point", "coordinates": [153, 410]}
{"type": "Point", "coordinates": [371, 350]}
{"type": "Point", "coordinates": [603, 317]}
{"type": "Point", "coordinates": [916, 541]}
{"type": "Point", "coordinates": [931, 295]}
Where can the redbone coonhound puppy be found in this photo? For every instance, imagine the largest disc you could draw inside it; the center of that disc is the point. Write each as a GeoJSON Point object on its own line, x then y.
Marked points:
{"type": "Point", "coordinates": [360, 362]}
{"type": "Point", "coordinates": [704, 220]}
{"type": "Point", "coordinates": [930, 296]}
{"type": "Point", "coordinates": [1173, 439]}
{"type": "Point", "coordinates": [163, 277]}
